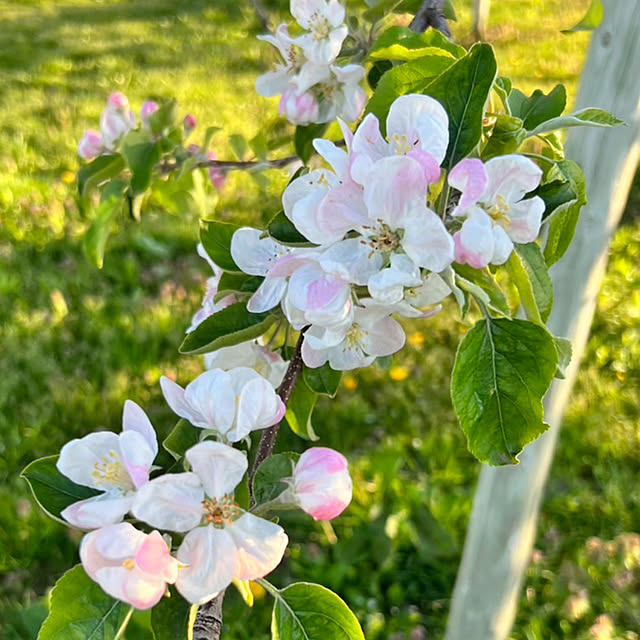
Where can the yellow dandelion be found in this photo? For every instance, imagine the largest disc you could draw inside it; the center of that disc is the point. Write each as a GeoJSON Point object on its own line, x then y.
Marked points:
{"type": "Point", "coordinates": [68, 177]}
{"type": "Point", "coordinates": [415, 339]}
{"type": "Point", "coordinates": [350, 383]}
{"type": "Point", "coordinates": [398, 373]}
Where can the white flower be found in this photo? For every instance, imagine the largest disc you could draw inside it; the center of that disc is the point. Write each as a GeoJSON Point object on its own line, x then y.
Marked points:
{"type": "Point", "coordinates": [116, 120]}
{"type": "Point", "coordinates": [497, 215]}
{"type": "Point", "coordinates": [232, 403]}
{"type": "Point", "coordinates": [324, 20]}
{"type": "Point", "coordinates": [91, 145]}
{"type": "Point", "coordinates": [223, 542]}
{"type": "Point", "coordinates": [118, 465]}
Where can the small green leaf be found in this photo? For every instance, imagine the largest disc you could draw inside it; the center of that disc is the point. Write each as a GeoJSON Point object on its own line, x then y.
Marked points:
{"type": "Point", "coordinates": [502, 370]}
{"type": "Point", "coordinates": [95, 241]}
{"type": "Point", "coordinates": [377, 70]}
{"type": "Point", "coordinates": [565, 353]}
{"type": "Point", "coordinates": [232, 325]}
{"type": "Point", "coordinates": [216, 238]}
{"type": "Point", "coordinates": [506, 136]}
{"type": "Point", "coordinates": [323, 380]}
{"type": "Point", "coordinates": [53, 491]}
{"type": "Point", "coordinates": [299, 410]}
{"type": "Point", "coordinates": [463, 90]}
{"type": "Point", "coordinates": [305, 611]}
{"type": "Point", "coordinates": [486, 281]}
{"type": "Point", "coordinates": [170, 618]}
{"type": "Point", "coordinates": [164, 118]}
{"type": "Point", "coordinates": [538, 107]}
{"type": "Point", "coordinates": [267, 483]}
{"type": "Point", "coordinates": [304, 137]}
{"type": "Point", "coordinates": [182, 437]}
{"type": "Point", "coordinates": [100, 170]}
{"type": "Point", "coordinates": [401, 43]}
{"type": "Point", "coordinates": [591, 19]}
{"type": "Point", "coordinates": [584, 117]}
{"type": "Point", "coordinates": [237, 283]}
{"type": "Point", "coordinates": [280, 228]}
{"type": "Point", "coordinates": [141, 155]}
{"type": "Point", "coordinates": [80, 610]}
{"type": "Point", "coordinates": [239, 145]}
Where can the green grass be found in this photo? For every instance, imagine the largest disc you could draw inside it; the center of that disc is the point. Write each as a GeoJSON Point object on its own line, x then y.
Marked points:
{"type": "Point", "coordinates": [77, 342]}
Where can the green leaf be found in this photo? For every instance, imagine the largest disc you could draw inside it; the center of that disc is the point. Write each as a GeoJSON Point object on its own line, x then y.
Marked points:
{"type": "Point", "coordinates": [164, 118]}
{"type": "Point", "coordinates": [448, 11]}
{"type": "Point", "coordinates": [463, 90]}
{"type": "Point", "coordinates": [216, 239]}
{"type": "Point", "coordinates": [411, 77]}
{"type": "Point", "coordinates": [299, 410]}
{"type": "Point", "coordinates": [584, 117]}
{"type": "Point", "coordinates": [95, 241]}
{"type": "Point", "coordinates": [232, 325]}
{"type": "Point", "coordinates": [80, 610]}
{"type": "Point", "coordinates": [507, 135]}
{"type": "Point", "coordinates": [182, 437]}
{"type": "Point", "coordinates": [486, 281]}
{"type": "Point", "coordinates": [170, 618]}
{"type": "Point", "coordinates": [565, 353]}
{"type": "Point", "coordinates": [538, 107]}
{"type": "Point", "coordinates": [237, 283]}
{"type": "Point", "coordinates": [591, 20]}
{"type": "Point", "coordinates": [304, 137]}
{"type": "Point", "coordinates": [100, 170]}
{"type": "Point", "coordinates": [267, 483]}
{"type": "Point", "coordinates": [239, 145]}
{"type": "Point", "coordinates": [530, 275]}
{"type": "Point", "coordinates": [141, 155]}
{"type": "Point", "coordinates": [377, 70]}
{"type": "Point", "coordinates": [280, 228]}
{"type": "Point", "coordinates": [502, 370]}
{"type": "Point", "coordinates": [53, 491]}
{"type": "Point", "coordinates": [323, 380]}
{"type": "Point", "coordinates": [401, 43]}
{"type": "Point", "coordinates": [305, 611]}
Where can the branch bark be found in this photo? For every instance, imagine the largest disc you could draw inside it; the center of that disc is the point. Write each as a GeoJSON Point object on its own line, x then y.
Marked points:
{"type": "Point", "coordinates": [430, 14]}
{"type": "Point", "coordinates": [208, 622]}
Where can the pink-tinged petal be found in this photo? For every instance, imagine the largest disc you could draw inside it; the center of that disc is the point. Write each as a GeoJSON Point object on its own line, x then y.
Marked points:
{"type": "Point", "coordinates": [252, 253]}
{"type": "Point", "coordinates": [172, 502]}
{"type": "Point", "coordinates": [137, 456]}
{"type": "Point", "coordinates": [174, 395]}
{"type": "Point", "coordinates": [319, 461]}
{"type": "Point", "coordinates": [352, 259]}
{"type": "Point", "coordinates": [109, 546]}
{"type": "Point", "coordinates": [426, 239]}
{"type": "Point", "coordinates": [98, 511]}
{"type": "Point", "coordinates": [474, 242]}
{"type": "Point", "coordinates": [268, 295]}
{"type": "Point", "coordinates": [369, 143]}
{"type": "Point", "coordinates": [429, 165]}
{"type": "Point", "coordinates": [140, 591]}
{"type": "Point", "coordinates": [210, 397]}
{"type": "Point", "coordinates": [91, 145]}
{"type": "Point", "coordinates": [210, 556]}
{"type": "Point", "coordinates": [502, 246]}
{"type": "Point", "coordinates": [525, 218]}
{"type": "Point", "coordinates": [260, 546]}
{"type": "Point", "coordinates": [470, 178]}
{"type": "Point", "coordinates": [154, 559]}
{"type": "Point", "coordinates": [337, 158]}
{"type": "Point", "coordinates": [511, 176]}
{"type": "Point", "coordinates": [347, 134]}
{"type": "Point", "coordinates": [258, 407]}
{"type": "Point", "coordinates": [135, 419]}
{"type": "Point", "coordinates": [395, 186]}
{"type": "Point", "coordinates": [80, 458]}
{"type": "Point", "coordinates": [219, 467]}
{"type": "Point", "coordinates": [340, 211]}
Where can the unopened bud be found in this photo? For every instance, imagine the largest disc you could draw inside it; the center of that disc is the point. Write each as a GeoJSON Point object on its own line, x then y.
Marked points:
{"type": "Point", "coordinates": [146, 110]}
{"type": "Point", "coordinates": [189, 123]}
{"type": "Point", "coordinates": [90, 146]}
{"type": "Point", "coordinates": [118, 101]}
{"type": "Point", "coordinates": [215, 175]}
{"type": "Point", "coordinates": [300, 109]}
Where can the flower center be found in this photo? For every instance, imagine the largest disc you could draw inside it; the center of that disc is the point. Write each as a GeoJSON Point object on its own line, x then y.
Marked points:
{"type": "Point", "coordinates": [111, 471]}
{"type": "Point", "coordinates": [129, 564]}
{"type": "Point", "coordinates": [354, 335]}
{"type": "Point", "coordinates": [498, 212]}
{"type": "Point", "coordinates": [400, 144]}
{"type": "Point", "coordinates": [382, 238]}
{"type": "Point", "coordinates": [220, 511]}
{"type": "Point", "coordinates": [319, 26]}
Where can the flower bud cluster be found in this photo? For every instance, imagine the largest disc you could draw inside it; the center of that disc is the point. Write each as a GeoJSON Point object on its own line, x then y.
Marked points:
{"type": "Point", "coordinates": [379, 245]}
{"type": "Point", "coordinates": [312, 87]}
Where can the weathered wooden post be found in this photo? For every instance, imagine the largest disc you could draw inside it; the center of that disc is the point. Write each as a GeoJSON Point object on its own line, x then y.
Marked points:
{"type": "Point", "coordinates": [506, 505]}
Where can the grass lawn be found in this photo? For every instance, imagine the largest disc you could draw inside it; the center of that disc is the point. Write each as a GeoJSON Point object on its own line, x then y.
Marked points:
{"type": "Point", "coordinates": [76, 342]}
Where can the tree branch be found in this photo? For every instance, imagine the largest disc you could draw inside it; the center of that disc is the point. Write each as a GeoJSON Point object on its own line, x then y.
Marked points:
{"type": "Point", "coordinates": [430, 14]}
{"type": "Point", "coordinates": [225, 165]}
{"type": "Point", "coordinates": [208, 622]}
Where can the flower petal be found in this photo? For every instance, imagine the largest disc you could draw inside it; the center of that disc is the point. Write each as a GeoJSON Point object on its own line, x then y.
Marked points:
{"type": "Point", "coordinates": [111, 544]}
{"type": "Point", "coordinates": [258, 407]}
{"type": "Point", "coordinates": [426, 239]}
{"type": "Point", "coordinates": [510, 176]}
{"type": "Point", "coordinates": [470, 177]}
{"type": "Point", "coordinates": [474, 242]}
{"type": "Point", "coordinates": [154, 559]}
{"type": "Point", "coordinates": [525, 218]}
{"type": "Point", "coordinates": [268, 295]}
{"type": "Point", "coordinates": [137, 456]}
{"type": "Point", "coordinates": [210, 397]}
{"type": "Point", "coordinates": [98, 511]}
{"type": "Point", "coordinates": [174, 395]}
{"type": "Point", "coordinates": [219, 467]}
{"type": "Point", "coordinates": [135, 419]}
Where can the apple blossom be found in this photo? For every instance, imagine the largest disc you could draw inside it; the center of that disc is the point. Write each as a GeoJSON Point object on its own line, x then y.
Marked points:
{"type": "Point", "coordinates": [223, 542]}
{"type": "Point", "coordinates": [298, 108]}
{"type": "Point", "coordinates": [497, 213]}
{"type": "Point", "coordinates": [189, 123]}
{"type": "Point", "coordinates": [116, 120]}
{"type": "Point", "coordinates": [91, 145]}
{"type": "Point", "coordinates": [148, 108]}
{"type": "Point", "coordinates": [324, 20]}
{"type": "Point", "coordinates": [341, 94]}
{"type": "Point", "coordinates": [128, 564]}
{"type": "Point", "coordinates": [321, 484]}
{"type": "Point", "coordinates": [115, 464]}
{"type": "Point", "coordinates": [232, 403]}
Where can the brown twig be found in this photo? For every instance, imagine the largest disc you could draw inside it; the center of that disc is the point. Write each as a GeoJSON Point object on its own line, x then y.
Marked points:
{"type": "Point", "coordinates": [430, 14]}
{"type": "Point", "coordinates": [226, 165]}
{"type": "Point", "coordinates": [208, 622]}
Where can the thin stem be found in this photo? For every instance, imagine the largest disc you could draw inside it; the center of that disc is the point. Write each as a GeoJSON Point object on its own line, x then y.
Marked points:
{"type": "Point", "coordinates": [123, 626]}
{"type": "Point", "coordinates": [226, 165]}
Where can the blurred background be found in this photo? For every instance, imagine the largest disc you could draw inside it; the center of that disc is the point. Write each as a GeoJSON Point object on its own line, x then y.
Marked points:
{"type": "Point", "coordinates": [75, 342]}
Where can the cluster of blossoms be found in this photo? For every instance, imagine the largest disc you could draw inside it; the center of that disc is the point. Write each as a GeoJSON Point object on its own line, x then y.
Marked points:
{"type": "Point", "coordinates": [312, 87]}
{"type": "Point", "coordinates": [219, 541]}
{"type": "Point", "coordinates": [379, 248]}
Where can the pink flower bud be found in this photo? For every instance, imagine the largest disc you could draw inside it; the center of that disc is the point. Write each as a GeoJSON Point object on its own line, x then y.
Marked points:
{"type": "Point", "coordinates": [146, 110]}
{"type": "Point", "coordinates": [215, 175]}
{"type": "Point", "coordinates": [118, 101]}
{"type": "Point", "coordinates": [299, 109]}
{"type": "Point", "coordinates": [128, 564]}
{"type": "Point", "coordinates": [321, 483]}
{"type": "Point", "coordinates": [189, 123]}
{"type": "Point", "coordinates": [90, 146]}
{"type": "Point", "coordinates": [193, 149]}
